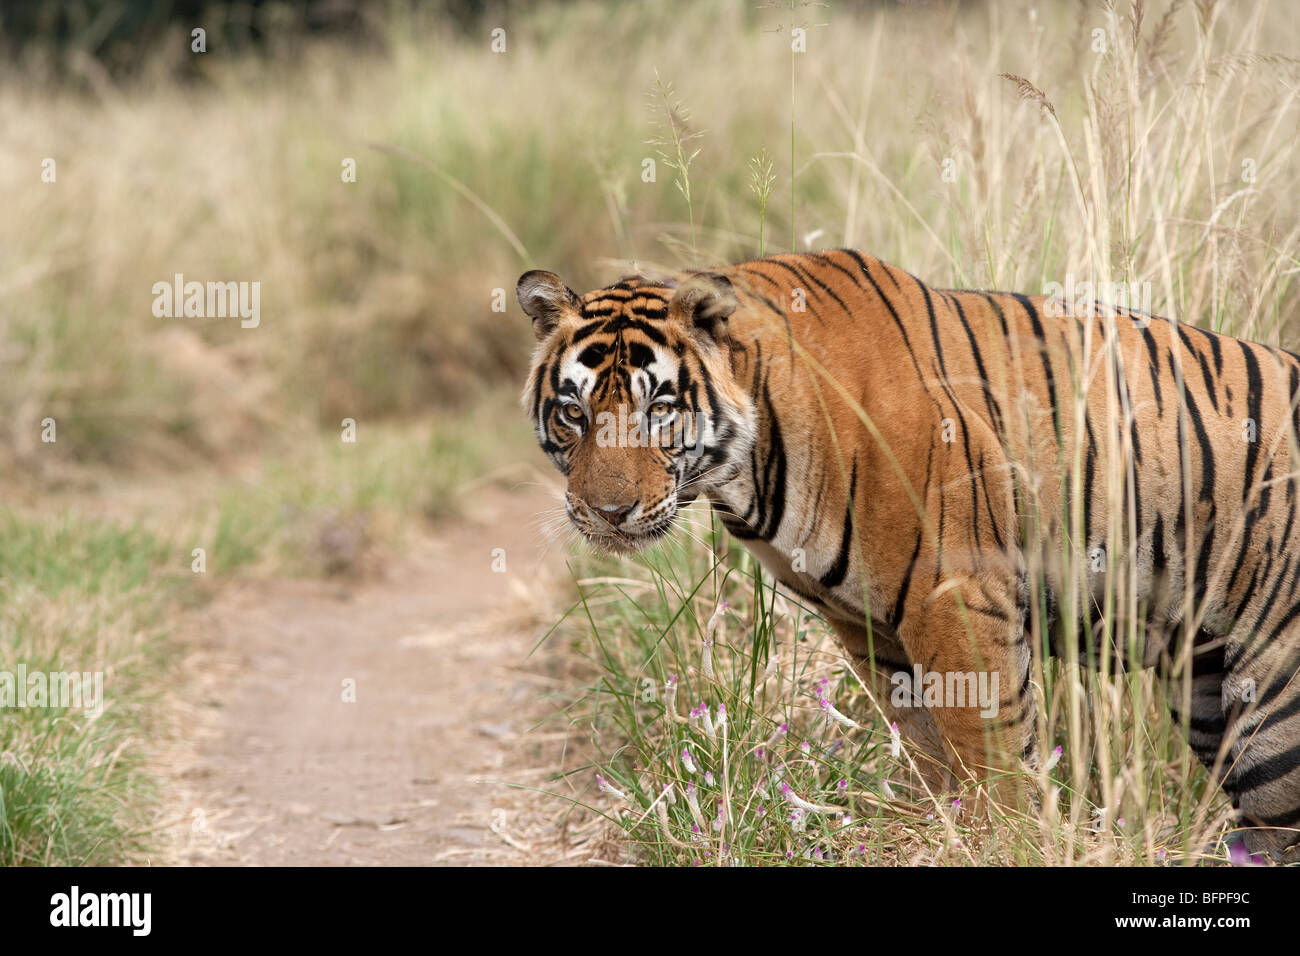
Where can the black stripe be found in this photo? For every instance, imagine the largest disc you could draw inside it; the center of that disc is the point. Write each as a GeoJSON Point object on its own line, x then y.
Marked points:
{"type": "Point", "coordinates": [772, 490]}
{"type": "Point", "coordinates": [998, 310]}
{"type": "Point", "coordinates": [862, 263]}
{"type": "Point", "coordinates": [1213, 339]}
{"type": "Point", "coordinates": [623, 323]}
{"type": "Point", "coordinates": [834, 577]}
{"type": "Point", "coordinates": [1288, 818]}
{"type": "Point", "coordinates": [1032, 311]}
{"type": "Point", "coordinates": [1202, 439]}
{"type": "Point", "coordinates": [988, 504]}
{"type": "Point", "coordinates": [1089, 476]}
{"type": "Point", "coordinates": [1254, 395]}
{"type": "Point", "coordinates": [956, 407]}
{"type": "Point", "coordinates": [1154, 368]}
{"type": "Point", "coordinates": [823, 286]}
{"type": "Point", "coordinates": [826, 258]}
{"type": "Point", "coordinates": [1277, 715]}
{"type": "Point", "coordinates": [803, 282]}
{"type": "Point", "coordinates": [1267, 771]}
{"type": "Point", "coordinates": [896, 613]}
{"type": "Point", "coordinates": [1234, 654]}
{"type": "Point", "coordinates": [995, 412]}
{"type": "Point", "coordinates": [1205, 366]}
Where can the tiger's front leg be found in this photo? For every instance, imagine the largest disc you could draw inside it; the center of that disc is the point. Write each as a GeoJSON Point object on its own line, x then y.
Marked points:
{"type": "Point", "coordinates": [876, 658]}
{"type": "Point", "coordinates": [967, 639]}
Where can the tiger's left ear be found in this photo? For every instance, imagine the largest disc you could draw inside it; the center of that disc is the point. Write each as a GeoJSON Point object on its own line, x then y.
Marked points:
{"type": "Point", "coordinates": [544, 299]}
{"type": "Point", "coordinates": [704, 303]}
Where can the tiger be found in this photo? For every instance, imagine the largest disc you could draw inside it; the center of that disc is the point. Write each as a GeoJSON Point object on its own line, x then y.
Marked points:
{"type": "Point", "coordinates": [928, 454]}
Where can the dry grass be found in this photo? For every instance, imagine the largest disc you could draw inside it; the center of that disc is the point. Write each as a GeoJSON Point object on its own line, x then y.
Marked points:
{"type": "Point", "coordinates": [1167, 159]}
{"type": "Point", "coordinates": [378, 295]}
{"type": "Point", "coordinates": [1138, 161]}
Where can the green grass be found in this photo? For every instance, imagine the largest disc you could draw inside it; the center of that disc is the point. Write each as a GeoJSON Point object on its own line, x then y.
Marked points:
{"type": "Point", "coordinates": [319, 507]}
{"type": "Point", "coordinates": [80, 596]}
{"type": "Point", "coordinates": [642, 627]}
{"type": "Point", "coordinates": [1120, 165]}
{"type": "Point", "coordinates": [472, 167]}
{"type": "Point", "coordinates": [86, 594]}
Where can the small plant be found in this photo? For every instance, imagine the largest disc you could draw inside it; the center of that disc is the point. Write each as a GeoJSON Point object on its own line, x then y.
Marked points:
{"type": "Point", "coordinates": [673, 141]}
{"type": "Point", "coordinates": [761, 178]}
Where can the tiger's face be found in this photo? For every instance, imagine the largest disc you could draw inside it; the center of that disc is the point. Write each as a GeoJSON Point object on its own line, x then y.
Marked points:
{"type": "Point", "coordinates": [633, 397]}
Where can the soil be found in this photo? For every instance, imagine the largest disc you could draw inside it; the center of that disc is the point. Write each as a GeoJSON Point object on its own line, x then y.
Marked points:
{"type": "Point", "coordinates": [398, 718]}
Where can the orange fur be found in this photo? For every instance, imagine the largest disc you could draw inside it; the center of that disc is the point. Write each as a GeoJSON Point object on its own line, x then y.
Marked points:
{"type": "Point", "coordinates": [908, 459]}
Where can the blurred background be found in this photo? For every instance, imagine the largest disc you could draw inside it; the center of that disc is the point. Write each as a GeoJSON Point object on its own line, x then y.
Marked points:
{"type": "Point", "coordinates": [999, 144]}
{"type": "Point", "coordinates": [473, 165]}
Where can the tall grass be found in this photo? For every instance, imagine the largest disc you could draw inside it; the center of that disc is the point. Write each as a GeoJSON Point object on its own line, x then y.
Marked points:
{"type": "Point", "coordinates": [1156, 151]}
{"type": "Point", "coordinates": [179, 434]}
{"type": "Point", "coordinates": [83, 593]}
{"type": "Point", "coordinates": [1123, 147]}
{"type": "Point", "coordinates": [378, 295]}
{"type": "Point", "coordinates": [80, 597]}
{"type": "Point", "coordinates": [730, 730]}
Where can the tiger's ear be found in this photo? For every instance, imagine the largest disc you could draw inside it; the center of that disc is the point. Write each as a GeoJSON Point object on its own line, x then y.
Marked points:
{"type": "Point", "coordinates": [544, 299]}
{"type": "Point", "coordinates": [704, 303]}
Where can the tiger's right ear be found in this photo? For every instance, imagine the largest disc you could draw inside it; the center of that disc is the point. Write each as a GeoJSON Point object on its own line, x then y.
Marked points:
{"type": "Point", "coordinates": [544, 299]}
{"type": "Point", "coordinates": [704, 303]}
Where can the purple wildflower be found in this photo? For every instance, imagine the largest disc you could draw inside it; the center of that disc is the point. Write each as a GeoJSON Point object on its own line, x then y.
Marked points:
{"type": "Point", "coordinates": [688, 762]}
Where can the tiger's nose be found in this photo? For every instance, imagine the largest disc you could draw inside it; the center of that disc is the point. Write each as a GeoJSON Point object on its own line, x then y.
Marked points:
{"type": "Point", "coordinates": [615, 514]}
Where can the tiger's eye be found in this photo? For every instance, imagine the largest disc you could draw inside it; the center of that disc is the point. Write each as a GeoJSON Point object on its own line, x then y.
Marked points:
{"type": "Point", "coordinates": [574, 413]}
{"type": "Point", "coordinates": [660, 409]}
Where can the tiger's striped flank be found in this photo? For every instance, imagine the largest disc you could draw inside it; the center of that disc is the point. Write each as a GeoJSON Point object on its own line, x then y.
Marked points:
{"type": "Point", "coordinates": [965, 471]}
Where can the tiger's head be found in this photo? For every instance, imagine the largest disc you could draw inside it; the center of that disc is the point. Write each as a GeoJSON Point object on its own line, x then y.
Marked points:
{"type": "Point", "coordinates": [633, 396]}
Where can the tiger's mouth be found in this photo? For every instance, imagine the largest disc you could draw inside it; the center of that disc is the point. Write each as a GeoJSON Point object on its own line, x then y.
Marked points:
{"type": "Point", "coordinates": [603, 536]}
{"type": "Point", "coordinates": [628, 542]}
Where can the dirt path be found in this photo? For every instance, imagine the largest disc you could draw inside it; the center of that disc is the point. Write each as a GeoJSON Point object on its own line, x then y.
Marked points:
{"type": "Point", "coordinates": [416, 770]}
